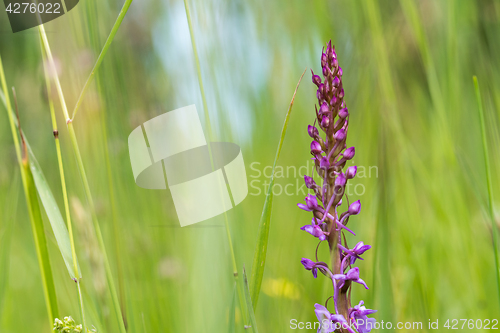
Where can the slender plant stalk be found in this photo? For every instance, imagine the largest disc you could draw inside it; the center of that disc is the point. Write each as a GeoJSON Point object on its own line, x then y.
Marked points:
{"type": "Point", "coordinates": [81, 168]}
{"type": "Point", "coordinates": [488, 183]}
{"type": "Point", "coordinates": [10, 115]}
{"type": "Point", "coordinates": [95, 41]}
{"type": "Point", "coordinates": [33, 209]}
{"type": "Point", "coordinates": [64, 190]}
{"type": "Point", "coordinates": [210, 139]}
{"type": "Point", "coordinates": [111, 36]}
{"type": "Point", "coordinates": [114, 219]}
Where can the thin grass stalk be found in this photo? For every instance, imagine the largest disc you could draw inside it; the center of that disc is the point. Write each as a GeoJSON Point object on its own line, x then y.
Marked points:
{"type": "Point", "coordinates": [93, 26]}
{"type": "Point", "coordinates": [88, 194]}
{"type": "Point", "coordinates": [210, 139]}
{"type": "Point", "coordinates": [10, 115]}
{"type": "Point", "coordinates": [491, 213]}
{"type": "Point", "coordinates": [111, 36]}
{"type": "Point", "coordinates": [40, 242]}
{"type": "Point", "coordinates": [64, 189]}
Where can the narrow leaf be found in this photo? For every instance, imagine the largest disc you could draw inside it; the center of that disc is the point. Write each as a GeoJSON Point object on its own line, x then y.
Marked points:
{"type": "Point", "coordinates": [259, 259]}
{"type": "Point", "coordinates": [253, 321]}
{"type": "Point", "coordinates": [51, 208]}
{"type": "Point", "coordinates": [488, 183]}
{"type": "Point", "coordinates": [40, 243]}
{"type": "Point", "coordinates": [54, 214]}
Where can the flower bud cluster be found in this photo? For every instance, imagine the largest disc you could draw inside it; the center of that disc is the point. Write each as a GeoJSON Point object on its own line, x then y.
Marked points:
{"type": "Point", "coordinates": [68, 325]}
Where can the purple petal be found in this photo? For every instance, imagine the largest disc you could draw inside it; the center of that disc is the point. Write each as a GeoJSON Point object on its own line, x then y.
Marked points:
{"type": "Point", "coordinates": [346, 250]}
{"type": "Point", "coordinates": [308, 263]}
{"type": "Point", "coordinates": [346, 228]}
{"type": "Point", "coordinates": [353, 274]}
{"type": "Point", "coordinates": [361, 282]}
{"type": "Point", "coordinates": [304, 207]}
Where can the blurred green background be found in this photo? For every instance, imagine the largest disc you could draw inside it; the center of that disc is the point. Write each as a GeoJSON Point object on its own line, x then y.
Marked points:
{"type": "Point", "coordinates": [408, 68]}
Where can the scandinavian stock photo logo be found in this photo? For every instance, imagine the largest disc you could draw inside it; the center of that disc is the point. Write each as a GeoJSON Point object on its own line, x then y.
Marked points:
{"type": "Point", "coordinates": [205, 180]}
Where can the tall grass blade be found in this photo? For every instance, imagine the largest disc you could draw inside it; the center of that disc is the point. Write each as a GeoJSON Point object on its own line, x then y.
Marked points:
{"type": "Point", "coordinates": [40, 243]}
{"type": "Point", "coordinates": [491, 213]}
{"type": "Point", "coordinates": [111, 36]}
{"type": "Point", "coordinates": [259, 259]}
{"type": "Point", "coordinates": [248, 299]}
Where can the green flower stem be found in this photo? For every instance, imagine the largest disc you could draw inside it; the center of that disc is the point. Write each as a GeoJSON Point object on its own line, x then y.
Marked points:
{"type": "Point", "coordinates": [64, 190]}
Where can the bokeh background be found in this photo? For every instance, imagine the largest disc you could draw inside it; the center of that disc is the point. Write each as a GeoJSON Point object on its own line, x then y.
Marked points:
{"type": "Point", "coordinates": [408, 68]}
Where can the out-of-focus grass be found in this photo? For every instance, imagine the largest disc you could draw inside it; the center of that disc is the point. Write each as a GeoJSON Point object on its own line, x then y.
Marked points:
{"type": "Point", "coordinates": [407, 76]}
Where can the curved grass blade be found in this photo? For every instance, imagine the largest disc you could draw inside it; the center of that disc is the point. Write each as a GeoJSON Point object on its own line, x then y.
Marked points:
{"type": "Point", "coordinates": [50, 205]}
{"type": "Point", "coordinates": [111, 36]}
{"type": "Point", "coordinates": [54, 214]}
{"type": "Point", "coordinates": [248, 299]}
{"type": "Point", "coordinates": [40, 242]}
{"type": "Point", "coordinates": [259, 259]}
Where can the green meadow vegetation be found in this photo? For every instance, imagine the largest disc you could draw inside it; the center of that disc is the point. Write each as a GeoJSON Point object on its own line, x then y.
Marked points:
{"type": "Point", "coordinates": [79, 238]}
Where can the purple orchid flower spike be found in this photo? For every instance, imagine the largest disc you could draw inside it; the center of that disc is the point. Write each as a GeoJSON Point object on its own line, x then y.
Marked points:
{"type": "Point", "coordinates": [352, 275]}
{"type": "Point", "coordinates": [330, 154]}
{"type": "Point", "coordinates": [359, 316]}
